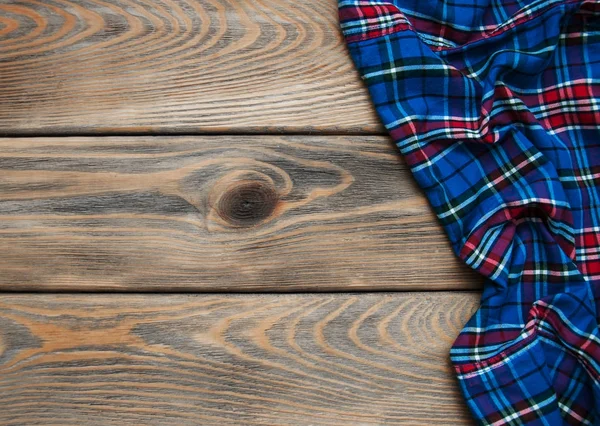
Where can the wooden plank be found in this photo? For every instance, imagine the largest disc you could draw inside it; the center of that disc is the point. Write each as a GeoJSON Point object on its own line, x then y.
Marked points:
{"type": "Point", "coordinates": [217, 214]}
{"type": "Point", "coordinates": [320, 359]}
{"type": "Point", "coordinates": [93, 66]}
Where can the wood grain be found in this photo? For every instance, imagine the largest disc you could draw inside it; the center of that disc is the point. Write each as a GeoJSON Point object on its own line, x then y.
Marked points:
{"type": "Point", "coordinates": [179, 66]}
{"type": "Point", "coordinates": [227, 213]}
{"type": "Point", "coordinates": [323, 359]}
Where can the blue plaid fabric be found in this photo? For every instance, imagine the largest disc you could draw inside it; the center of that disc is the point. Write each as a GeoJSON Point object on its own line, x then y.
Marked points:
{"type": "Point", "coordinates": [495, 106]}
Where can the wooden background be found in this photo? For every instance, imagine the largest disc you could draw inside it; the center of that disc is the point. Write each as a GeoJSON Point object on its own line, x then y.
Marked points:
{"type": "Point", "coordinates": [196, 147]}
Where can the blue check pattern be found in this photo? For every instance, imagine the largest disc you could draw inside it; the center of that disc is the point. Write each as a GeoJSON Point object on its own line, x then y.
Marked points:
{"type": "Point", "coordinates": [495, 105]}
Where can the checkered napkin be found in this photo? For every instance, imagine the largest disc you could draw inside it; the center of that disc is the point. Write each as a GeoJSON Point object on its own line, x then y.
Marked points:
{"type": "Point", "coordinates": [495, 105]}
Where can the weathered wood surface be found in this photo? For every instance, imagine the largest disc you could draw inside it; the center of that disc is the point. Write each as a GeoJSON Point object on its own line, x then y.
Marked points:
{"type": "Point", "coordinates": [226, 213]}
{"type": "Point", "coordinates": [178, 359]}
{"type": "Point", "coordinates": [120, 66]}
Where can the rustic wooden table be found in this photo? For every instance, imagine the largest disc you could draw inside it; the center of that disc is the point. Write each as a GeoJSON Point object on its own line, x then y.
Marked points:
{"type": "Point", "coordinates": [199, 211]}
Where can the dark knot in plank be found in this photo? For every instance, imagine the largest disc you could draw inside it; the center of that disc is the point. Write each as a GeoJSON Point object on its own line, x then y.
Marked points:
{"type": "Point", "coordinates": [247, 203]}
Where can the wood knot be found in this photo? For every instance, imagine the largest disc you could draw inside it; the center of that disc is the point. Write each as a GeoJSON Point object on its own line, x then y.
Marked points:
{"type": "Point", "coordinates": [247, 203]}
